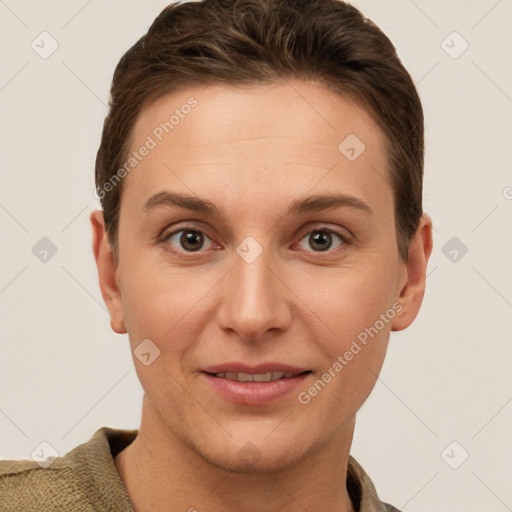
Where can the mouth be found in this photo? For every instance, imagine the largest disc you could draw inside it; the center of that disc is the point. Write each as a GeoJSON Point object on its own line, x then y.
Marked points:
{"type": "Point", "coordinates": [256, 377]}
{"type": "Point", "coordinates": [254, 385]}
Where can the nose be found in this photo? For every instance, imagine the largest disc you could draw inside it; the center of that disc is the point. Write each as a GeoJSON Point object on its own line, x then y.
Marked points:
{"type": "Point", "coordinates": [255, 301]}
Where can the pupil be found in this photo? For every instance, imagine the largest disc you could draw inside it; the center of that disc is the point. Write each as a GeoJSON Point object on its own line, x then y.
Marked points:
{"type": "Point", "coordinates": [189, 240]}
{"type": "Point", "coordinates": [322, 238]}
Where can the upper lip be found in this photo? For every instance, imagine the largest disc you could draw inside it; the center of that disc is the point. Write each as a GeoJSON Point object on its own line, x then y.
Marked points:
{"type": "Point", "coordinates": [237, 367]}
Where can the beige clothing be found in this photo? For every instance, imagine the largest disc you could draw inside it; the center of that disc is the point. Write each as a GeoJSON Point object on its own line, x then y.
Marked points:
{"type": "Point", "coordinates": [86, 480]}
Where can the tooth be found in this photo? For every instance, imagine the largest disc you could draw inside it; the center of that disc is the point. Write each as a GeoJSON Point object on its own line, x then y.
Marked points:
{"type": "Point", "coordinates": [257, 377]}
{"type": "Point", "coordinates": [262, 377]}
{"type": "Point", "coordinates": [244, 377]}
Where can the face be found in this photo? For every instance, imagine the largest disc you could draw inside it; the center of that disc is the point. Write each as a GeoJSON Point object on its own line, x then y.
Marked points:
{"type": "Point", "coordinates": [251, 247]}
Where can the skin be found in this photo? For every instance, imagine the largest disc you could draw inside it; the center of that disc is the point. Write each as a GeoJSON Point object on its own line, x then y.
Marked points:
{"type": "Point", "coordinates": [252, 152]}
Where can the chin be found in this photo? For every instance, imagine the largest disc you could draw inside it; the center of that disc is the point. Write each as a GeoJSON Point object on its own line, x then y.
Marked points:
{"type": "Point", "coordinates": [250, 460]}
{"type": "Point", "coordinates": [261, 456]}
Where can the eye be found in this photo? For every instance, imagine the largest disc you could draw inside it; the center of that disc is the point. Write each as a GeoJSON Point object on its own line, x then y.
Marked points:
{"type": "Point", "coordinates": [189, 240]}
{"type": "Point", "coordinates": [193, 240]}
{"type": "Point", "coordinates": [323, 239]}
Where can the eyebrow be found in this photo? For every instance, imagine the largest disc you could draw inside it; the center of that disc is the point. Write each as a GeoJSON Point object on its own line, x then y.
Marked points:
{"type": "Point", "coordinates": [311, 203]}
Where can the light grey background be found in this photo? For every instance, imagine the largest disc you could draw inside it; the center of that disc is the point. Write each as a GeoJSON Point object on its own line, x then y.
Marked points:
{"type": "Point", "coordinates": [447, 378]}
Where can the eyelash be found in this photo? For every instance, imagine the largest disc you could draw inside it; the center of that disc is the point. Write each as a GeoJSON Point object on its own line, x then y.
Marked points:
{"type": "Point", "coordinates": [344, 238]}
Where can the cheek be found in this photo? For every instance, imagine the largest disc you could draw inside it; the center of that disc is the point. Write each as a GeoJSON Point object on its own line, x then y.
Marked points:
{"type": "Point", "coordinates": [354, 347]}
{"type": "Point", "coordinates": [348, 301]}
{"type": "Point", "coordinates": [355, 312]}
{"type": "Point", "coordinates": [161, 303]}
{"type": "Point", "coordinates": [356, 379]}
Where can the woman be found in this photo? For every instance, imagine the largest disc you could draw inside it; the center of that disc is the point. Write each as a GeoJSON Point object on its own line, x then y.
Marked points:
{"type": "Point", "coordinates": [262, 233]}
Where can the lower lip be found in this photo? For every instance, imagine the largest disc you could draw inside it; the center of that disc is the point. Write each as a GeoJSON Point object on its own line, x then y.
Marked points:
{"type": "Point", "coordinates": [254, 393]}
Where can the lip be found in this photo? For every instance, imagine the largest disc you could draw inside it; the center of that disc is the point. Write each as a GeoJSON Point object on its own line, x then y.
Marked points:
{"type": "Point", "coordinates": [254, 393]}
{"type": "Point", "coordinates": [259, 368]}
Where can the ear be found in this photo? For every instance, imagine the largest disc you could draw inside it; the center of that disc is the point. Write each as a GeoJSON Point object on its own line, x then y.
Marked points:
{"type": "Point", "coordinates": [107, 270]}
{"type": "Point", "coordinates": [411, 295]}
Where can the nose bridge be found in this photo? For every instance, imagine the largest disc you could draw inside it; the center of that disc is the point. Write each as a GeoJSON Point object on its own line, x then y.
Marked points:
{"type": "Point", "coordinates": [255, 300]}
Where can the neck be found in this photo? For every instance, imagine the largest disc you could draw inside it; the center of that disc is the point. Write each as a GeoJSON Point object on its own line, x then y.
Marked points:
{"type": "Point", "coordinates": [160, 472]}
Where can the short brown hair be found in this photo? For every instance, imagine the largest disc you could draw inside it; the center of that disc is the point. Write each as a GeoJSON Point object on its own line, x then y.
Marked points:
{"type": "Point", "coordinates": [258, 42]}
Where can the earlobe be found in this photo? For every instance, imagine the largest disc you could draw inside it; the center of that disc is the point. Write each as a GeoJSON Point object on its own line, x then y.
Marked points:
{"type": "Point", "coordinates": [107, 272]}
{"type": "Point", "coordinates": [412, 293]}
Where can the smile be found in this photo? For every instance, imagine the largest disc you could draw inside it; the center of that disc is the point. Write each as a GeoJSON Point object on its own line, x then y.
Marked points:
{"type": "Point", "coordinates": [254, 385]}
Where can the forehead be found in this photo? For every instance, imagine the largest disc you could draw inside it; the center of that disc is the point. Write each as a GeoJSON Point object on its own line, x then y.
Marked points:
{"type": "Point", "coordinates": [287, 135]}
{"type": "Point", "coordinates": [290, 108]}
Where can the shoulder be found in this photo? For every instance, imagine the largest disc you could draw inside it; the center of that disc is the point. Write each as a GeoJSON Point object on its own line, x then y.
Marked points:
{"type": "Point", "coordinates": [84, 479]}
{"type": "Point", "coordinates": [25, 485]}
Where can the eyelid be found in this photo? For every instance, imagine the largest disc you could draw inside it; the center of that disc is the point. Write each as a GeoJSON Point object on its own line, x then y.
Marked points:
{"type": "Point", "coordinates": [344, 233]}
{"type": "Point", "coordinates": [191, 225]}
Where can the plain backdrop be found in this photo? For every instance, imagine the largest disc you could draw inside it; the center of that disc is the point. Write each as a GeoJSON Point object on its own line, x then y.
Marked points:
{"type": "Point", "coordinates": [445, 391]}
